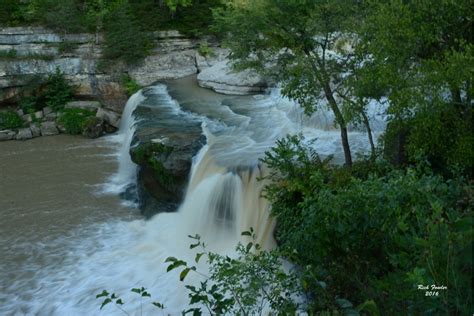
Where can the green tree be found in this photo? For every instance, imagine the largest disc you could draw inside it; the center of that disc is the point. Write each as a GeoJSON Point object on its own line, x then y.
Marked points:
{"type": "Point", "coordinates": [125, 40]}
{"type": "Point", "coordinates": [298, 43]}
{"type": "Point", "coordinates": [372, 233]}
{"type": "Point", "coordinates": [96, 11]}
{"type": "Point", "coordinates": [420, 55]}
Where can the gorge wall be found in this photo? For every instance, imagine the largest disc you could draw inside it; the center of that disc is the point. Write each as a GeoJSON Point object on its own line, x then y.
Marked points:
{"type": "Point", "coordinates": [29, 52]}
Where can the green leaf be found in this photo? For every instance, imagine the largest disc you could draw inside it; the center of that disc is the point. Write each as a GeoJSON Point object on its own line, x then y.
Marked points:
{"type": "Point", "coordinates": [171, 259]}
{"type": "Point", "coordinates": [246, 233]}
{"type": "Point", "coordinates": [159, 305]}
{"type": "Point", "coordinates": [146, 294]}
{"type": "Point", "coordinates": [370, 307]}
{"type": "Point", "coordinates": [175, 265]}
{"type": "Point", "coordinates": [104, 293]}
{"type": "Point", "coordinates": [198, 256]}
{"type": "Point", "coordinates": [183, 274]}
{"type": "Point", "coordinates": [249, 246]}
{"type": "Point", "coordinates": [119, 301]}
{"type": "Point", "coordinates": [136, 290]}
{"type": "Point", "coordinates": [194, 245]}
{"type": "Point", "coordinates": [105, 302]}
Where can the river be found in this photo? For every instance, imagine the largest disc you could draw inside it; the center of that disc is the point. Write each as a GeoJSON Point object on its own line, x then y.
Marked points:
{"type": "Point", "coordinates": [65, 235]}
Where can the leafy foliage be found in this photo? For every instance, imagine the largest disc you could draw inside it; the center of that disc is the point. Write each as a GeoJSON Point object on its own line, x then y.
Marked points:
{"type": "Point", "coordinates": [10, 120]}
{"type": "Point", "coordinates": [130, 85]}
{"type": "Point", "coordinates": [57, 91]}
{"type": "Point", "coordinates": [205, 50]}
{"type": "Point", "coordinates": [247, 285]}
{"type": "Point", "coordinates": [374, 233]}
{"type": "Point", "coordinates": [125, 39]}
{"type": "Point", "coordinates": [74, 120]}
{"type": "Point", "coordinates": [420, 59]}
{"type": "Point", "coordinates": [118, 302]}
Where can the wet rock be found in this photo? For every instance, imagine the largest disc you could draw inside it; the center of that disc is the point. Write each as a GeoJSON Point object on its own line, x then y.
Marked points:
{"type": "Point", "coordinates": [109, 129]}
{"type": "Point", "coordinates": [49, 129]}
{"type": "Point", "coordinates": [35, 130]}
{"type": "Point", "coordinates": [163, 146]}
{"type": "Point", "coordinates": [7, 135]}
{"type": "Point", "coordinates": [111, 117]}
{"type": "Point", "coordinates": [23, 134]}
{"type": "Point", "coordinates": [20, 112]}
{"type": "Point", "coordinates": [94, 127]}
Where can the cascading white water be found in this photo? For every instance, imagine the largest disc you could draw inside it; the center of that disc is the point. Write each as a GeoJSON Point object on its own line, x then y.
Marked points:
{"type": "Point", "coordinates": [127, 170]}
{"type": "Point", "coordinates": [223, 198]}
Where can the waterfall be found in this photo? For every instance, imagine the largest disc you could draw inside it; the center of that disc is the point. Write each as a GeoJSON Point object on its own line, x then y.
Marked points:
{"type": "Point", "coordinates": [125, 178]}
{"type": "Point", "coordinates": [221, 203]}
{"type": "Point", "coordinates": [222, 199]}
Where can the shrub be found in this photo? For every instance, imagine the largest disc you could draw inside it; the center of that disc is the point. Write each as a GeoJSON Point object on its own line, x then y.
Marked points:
{"type": "Point", "coordinates": [375, 234]}
{"type": "Point", "coordinates": [124, 38]}
{"type": "Point", "coordinates": [205, 50]}
{"type": "Point", "coordinates": [9, 54]}
{"type": "Point", "coordinates": [130, 85]}
{"type": "Point", "coordinates": [67, 47]}
{"type": "Point", "coordinates": [57, 91]}
{"type": "Point", "coordinates": [29, 104]}
{"type": "Point", "coordinates": [74, 120]}
{"type": "Point", "coordinates": [10, 120]}
{"type": "Point", "coordinates": [242, 285]}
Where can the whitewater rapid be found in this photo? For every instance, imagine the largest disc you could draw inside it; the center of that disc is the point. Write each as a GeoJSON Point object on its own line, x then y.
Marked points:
{"type": "Point", "coordinates": [223, 198]}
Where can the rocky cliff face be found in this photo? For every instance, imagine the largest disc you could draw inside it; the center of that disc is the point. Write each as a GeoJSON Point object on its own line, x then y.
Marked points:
{"type": "Point", "coordinates": [29, 52]}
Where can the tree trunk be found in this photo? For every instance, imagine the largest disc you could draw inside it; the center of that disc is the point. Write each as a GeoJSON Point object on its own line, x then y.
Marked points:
{"type": "Point", "coordinates": [324, 81]}
{"type": "Point", "coordinates": [342, 124]}
{"type": "Point", "coordinates": [369, 133]}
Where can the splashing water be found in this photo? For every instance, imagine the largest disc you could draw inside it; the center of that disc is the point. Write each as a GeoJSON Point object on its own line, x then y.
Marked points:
{"type": "Point", "coordinates": [223, 198]}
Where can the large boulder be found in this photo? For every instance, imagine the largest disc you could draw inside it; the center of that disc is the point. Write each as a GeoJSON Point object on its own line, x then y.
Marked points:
{"type": "Point", "coordinates": [24, 134]}
{"type": "Point", "coordinates": [170, 65]}
{"type": "Point", "coordinates": [111, 117]}
{"type": "Point", "coordinates": [222, 79]}
{"type": "Point", "coordinates": [215, 55]}
{"type": "Point", "coordinates": [49, 129]}
{"type": "Point", "coordinates": [94, 127]}
{"type": "Point", "coordinates": [165, 163]}
{"type": "Point", "coordinates": [7, 135]}
{"type": "Point", "coordinates": [163, 146]}
{"type": "Point", "coordinates": [35, 130]}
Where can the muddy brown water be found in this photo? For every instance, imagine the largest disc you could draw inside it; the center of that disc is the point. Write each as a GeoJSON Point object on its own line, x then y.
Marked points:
{"type": "Point", "coordinates": [49, 196]}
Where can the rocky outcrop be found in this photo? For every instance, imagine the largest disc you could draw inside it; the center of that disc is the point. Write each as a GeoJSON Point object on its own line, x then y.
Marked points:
{"type": "Point", "coordinates": [163, 146]}
{"type": "Point", "coordinates": [222, 79]}
{"type": "Point", "coordinates": [31, 52]}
